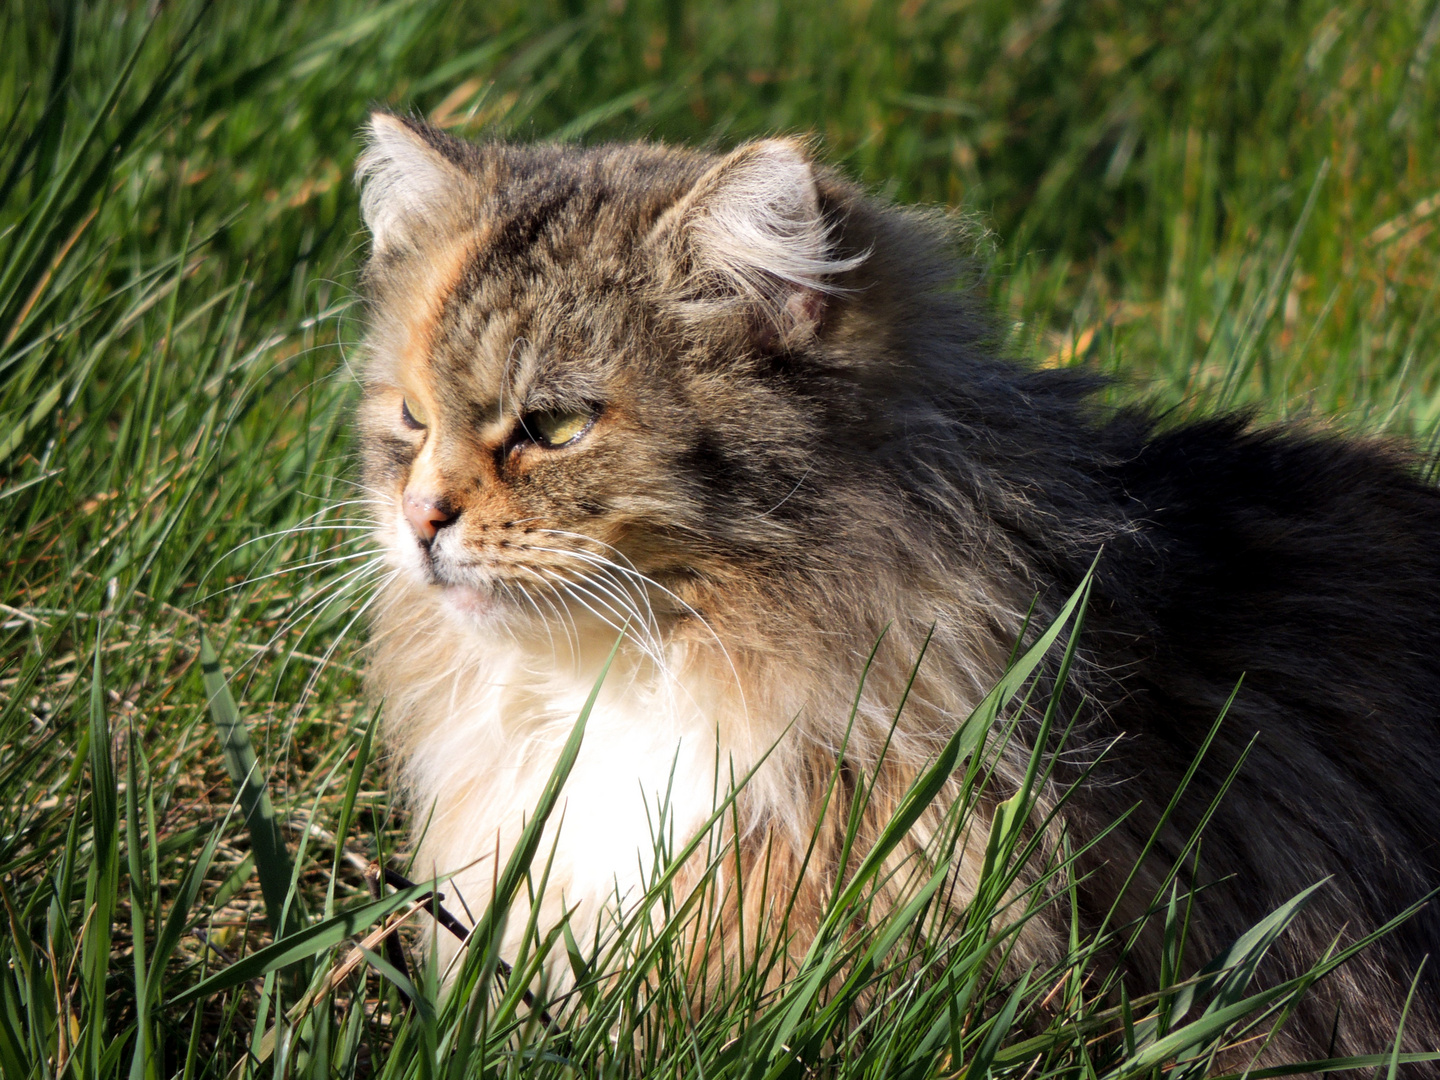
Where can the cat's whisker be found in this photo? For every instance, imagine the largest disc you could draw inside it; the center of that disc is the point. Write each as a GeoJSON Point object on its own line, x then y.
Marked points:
{"type": "Point", "coordinates": [315, 520]}
{"type": "Point", "coordinates": [622, 583]}
{"type": "Point", "coordinates": [271, 647]}
{"type": "Point", "coordinates": [324, 660]}
{"type": "Point", "coordinates": [368, 553]}
{"type": "Point", "coordinates": [591, 540]}
{"type": "Point", "coordinates": [626, 583]}
{"type": "Point", "coordinates": [619, 591]}
{"type": "Point", "coordinates": [571, 589]}
{"type": "Point", "coordinates": [308, 524]}
{"type": "Point", "coordinates": [514, 593]}
{"type": "Point", "coordinates": [327, 595]}
{"type": "Point", "coordinates": [562, 615]}
{"type": "Point", "coordinates": [311, 610]}
{"type": "Point", "coordinates": [341, 479]}
{"type": "Point", "coordinates": [302, 526]}
{"type": "Point", "coordinates": [654, 649]}
{"type": "Point", "coordinates": [560, 583]}
{"type": "Point", "coordinates": [644, 579]}
{"type": "Point", "coordinates": [339, 638]}
{"type": "Point", "coordinates": [330, 592]}
{"type": "Point", "coordinates": [561, 609]}
{"type": "Point", "coordinates": [510, 589]}
{"type": "Point", "coordinates": [629, 615]}
{"type": "Point", "coordinates": [343, 525]}
{"type": "Point", "coordinates": [392, 635]}
{"type": "Point", "coordinates": [628, 571]}
{"type": "Point", "coordinates": [621, 594]}
{"type": "Point", "coordinates": [628, 607]}
{"type": "Point", "coordinates": [314, 606]}
{"type": "Point", "coordinates": [372, 565]}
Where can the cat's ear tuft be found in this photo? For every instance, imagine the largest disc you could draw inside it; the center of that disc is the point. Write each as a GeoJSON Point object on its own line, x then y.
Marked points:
{"type": "Point", "coordinates": [408, 188]}
{"type": "Point", "coordinates": [755, 222]}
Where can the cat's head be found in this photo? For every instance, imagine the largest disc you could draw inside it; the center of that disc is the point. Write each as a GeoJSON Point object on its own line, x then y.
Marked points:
{"type": "Point", "coordinates": [589, 367]}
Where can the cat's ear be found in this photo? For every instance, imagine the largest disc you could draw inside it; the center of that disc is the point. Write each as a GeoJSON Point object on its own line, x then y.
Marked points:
{"type": "Point", "coordinates": [755, 224]}
{"type": "Point", "coordinates": [409, 189]}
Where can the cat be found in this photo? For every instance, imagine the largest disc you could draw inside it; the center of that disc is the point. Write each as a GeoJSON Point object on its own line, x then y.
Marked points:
{"type": "Point", "coordinates": [736, 407]}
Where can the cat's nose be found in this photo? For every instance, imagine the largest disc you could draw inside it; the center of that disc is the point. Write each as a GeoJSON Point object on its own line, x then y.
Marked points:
{"type": "Point", "coordinates": [427, 514]}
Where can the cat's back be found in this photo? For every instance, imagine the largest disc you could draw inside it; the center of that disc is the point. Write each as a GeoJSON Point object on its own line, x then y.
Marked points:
{"type": "Point", "coordinates": [1306, 561]}
{"type": "Point", "coordinates": [1289, 580]}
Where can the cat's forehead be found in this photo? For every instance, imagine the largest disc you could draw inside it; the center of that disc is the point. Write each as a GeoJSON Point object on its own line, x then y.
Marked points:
{"type": "Point", "coordinates": [482, 251]}
{"type": "Point", "coordinates": [553, 268]}
{"type": "Point", "coordinates": [563, 217]}
{"type": "Point", "coordinates": [504, 330]}
{"type": "Point", "coordinates": [529, 194]}
{"type": "Point", "coordinates": [542, 272]}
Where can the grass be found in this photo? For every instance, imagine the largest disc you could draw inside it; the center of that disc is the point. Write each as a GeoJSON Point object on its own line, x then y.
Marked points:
{"type": "Point", "coordinates": [1226, 204]}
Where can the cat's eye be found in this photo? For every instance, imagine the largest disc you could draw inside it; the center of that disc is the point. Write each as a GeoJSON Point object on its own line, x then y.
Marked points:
{"type": "Point", "coordinates": [413, 413]}
{"type": "Point", "coordinates": [553, 428]}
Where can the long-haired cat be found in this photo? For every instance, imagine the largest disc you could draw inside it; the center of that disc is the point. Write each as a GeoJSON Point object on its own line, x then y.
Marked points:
{"type": "Point", "coordinates": [736, 406]}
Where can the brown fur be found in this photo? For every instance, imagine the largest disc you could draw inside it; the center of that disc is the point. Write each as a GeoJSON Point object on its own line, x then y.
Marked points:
{"type": "Point", "coordinates": [805, 441]}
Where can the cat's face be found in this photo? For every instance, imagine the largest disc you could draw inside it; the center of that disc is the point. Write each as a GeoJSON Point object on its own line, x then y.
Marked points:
{"type": "Point", "coordinates": [581, 372]}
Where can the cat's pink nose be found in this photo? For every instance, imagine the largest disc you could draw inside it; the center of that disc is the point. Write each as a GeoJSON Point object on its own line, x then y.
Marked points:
{"type": "Point", "coordinates": [426, 515]}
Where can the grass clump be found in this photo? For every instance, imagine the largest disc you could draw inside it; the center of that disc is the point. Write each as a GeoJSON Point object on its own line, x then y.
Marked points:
{"type": "Point", "coordinates": [1232, 204]}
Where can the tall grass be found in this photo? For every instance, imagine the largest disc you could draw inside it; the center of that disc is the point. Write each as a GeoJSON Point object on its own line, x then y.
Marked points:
{"type": "Point", "coordinates": [1229, 205]}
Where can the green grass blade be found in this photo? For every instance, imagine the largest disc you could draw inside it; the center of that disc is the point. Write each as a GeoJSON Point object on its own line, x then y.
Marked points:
{"type": "Point", "coordinates": [1232, 970]}
{"type": "Point", "coordinates": [979, 1065]}
{"type": "Point", "coordinates": [102, 877]}
{"type": "Point", "coordinates": [272, 859]}
{"type": "Point", "coordinates": [307, 942]}
{"type": "Point", "coordinates": [175, 922]}
{"type": "Point", "coordinates": [955, 752]}
{"type": "Point", "coordinates": [422, 1004]}
{"type": "Point", "coordinates": [141, 1057]}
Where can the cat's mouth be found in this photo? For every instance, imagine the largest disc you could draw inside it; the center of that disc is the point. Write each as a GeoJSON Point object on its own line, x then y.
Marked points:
{"type": "Point", "coordinates": [517, 592]}
{"type": "Point", "coordinates": [475, 598]}
{"type": "Point", "coordinates": [471, 588]}
{"type": "Point", "coordinates": [489, 595]}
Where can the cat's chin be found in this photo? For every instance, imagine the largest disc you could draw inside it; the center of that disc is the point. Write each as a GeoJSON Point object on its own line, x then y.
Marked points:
{"type": "Point", "coordinates": [480, 603]}
{"type": "Point", "coordinates": [476, 608]}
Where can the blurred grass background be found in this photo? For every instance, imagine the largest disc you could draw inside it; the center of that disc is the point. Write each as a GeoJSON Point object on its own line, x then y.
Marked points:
{"type": "Point", "coordinates": [1224, 203]}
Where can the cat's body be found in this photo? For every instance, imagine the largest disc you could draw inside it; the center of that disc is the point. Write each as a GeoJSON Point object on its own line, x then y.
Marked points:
{"type": "Point", "coordinates": [732, 401]}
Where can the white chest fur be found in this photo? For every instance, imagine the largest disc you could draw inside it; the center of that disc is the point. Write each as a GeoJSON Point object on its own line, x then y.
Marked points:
{"type": "Point", "coordinates": [483, 741]}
